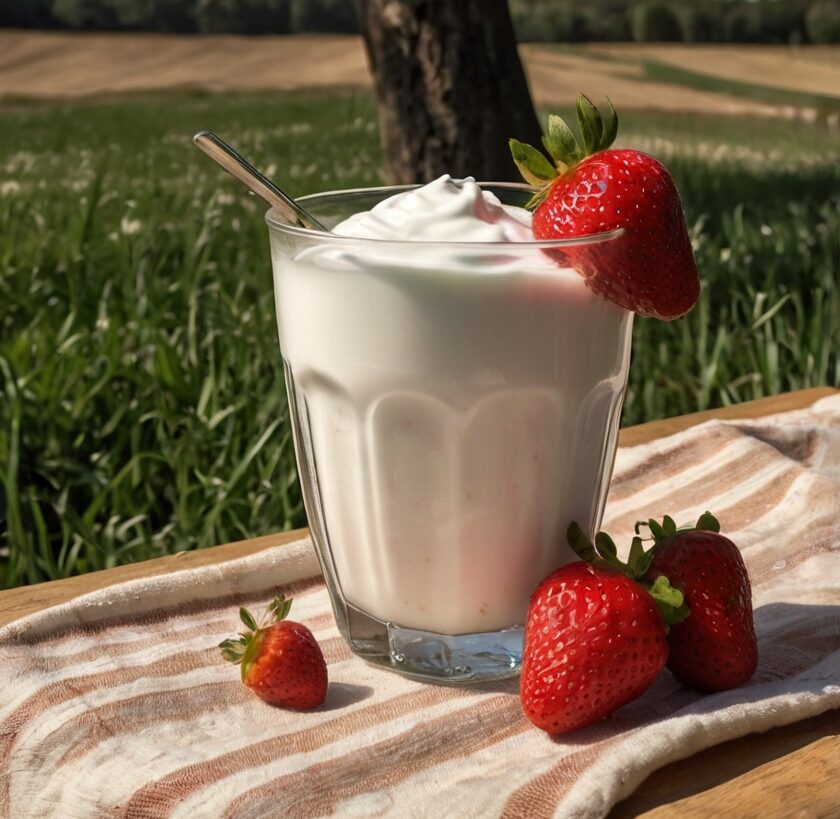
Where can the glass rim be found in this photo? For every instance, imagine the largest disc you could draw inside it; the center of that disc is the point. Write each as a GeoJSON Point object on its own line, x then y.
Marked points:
{"type": "Point", "coordinates": [300, 232]}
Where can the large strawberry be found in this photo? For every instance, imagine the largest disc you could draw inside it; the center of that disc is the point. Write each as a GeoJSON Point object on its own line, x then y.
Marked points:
{"type": "Point", "coordinates": [595, 638]}
{"type": "Point", "coordinates": [590, 188]}
{"type": "Point", "coordinates": [281, 662]}
{"type": "Point", "coordinates": [715, 648]}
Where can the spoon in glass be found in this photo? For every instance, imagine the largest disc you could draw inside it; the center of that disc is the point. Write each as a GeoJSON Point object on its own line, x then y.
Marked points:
{"type": "Point", "coordinates": [290, 211]}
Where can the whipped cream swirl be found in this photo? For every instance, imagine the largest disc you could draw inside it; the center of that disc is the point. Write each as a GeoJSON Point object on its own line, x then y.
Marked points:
{"type": "Point", "coordinates": [446, 210]}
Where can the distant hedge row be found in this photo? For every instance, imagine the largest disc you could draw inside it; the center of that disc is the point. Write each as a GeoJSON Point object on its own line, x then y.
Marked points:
{"type": "Point", "coordinates": [206, 16]}
{"type": "Point", "coordinates": [689, 21]}
{"type": "Point", "coordinates": [692, 21]}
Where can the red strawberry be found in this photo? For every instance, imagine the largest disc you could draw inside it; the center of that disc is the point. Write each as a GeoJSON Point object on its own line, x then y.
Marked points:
{"type": "Point", "coordinates": [281, 661]}
{"type": "Point", "coordinates": [595, 638]}
{"type": "Point", "coordinates": [650, 268]}
{"type": "Point", "coordinates": [715, 648]}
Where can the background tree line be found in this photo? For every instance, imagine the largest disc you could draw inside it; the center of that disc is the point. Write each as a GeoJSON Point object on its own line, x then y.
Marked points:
{"type": "Point", "coordinates": [692, 21]}
{"type": "Point", "coordinates": [689, 21]}
{"type": "Point", "coordinates": [183, 16]}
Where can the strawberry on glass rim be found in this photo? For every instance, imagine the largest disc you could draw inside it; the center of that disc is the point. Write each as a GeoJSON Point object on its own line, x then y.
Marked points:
{"type": "Point", "coordinates": [592, 188]}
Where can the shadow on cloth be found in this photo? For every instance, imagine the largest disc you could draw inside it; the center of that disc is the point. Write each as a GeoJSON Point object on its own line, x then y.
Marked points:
{"type": "Point", "coordinates": [340, 695]}
{"type": "Point", "coordinates": [792, 638]}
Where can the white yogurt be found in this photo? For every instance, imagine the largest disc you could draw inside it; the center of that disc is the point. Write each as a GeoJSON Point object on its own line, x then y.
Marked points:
{"type": "Point", "coordinates": [446, 210]}
{"type": "Point", "coordinates": [462, 404]}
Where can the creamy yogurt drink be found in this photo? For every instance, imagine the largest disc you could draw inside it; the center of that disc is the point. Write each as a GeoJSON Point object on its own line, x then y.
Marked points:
{"type": "Point", "coordinates": [455, 394]}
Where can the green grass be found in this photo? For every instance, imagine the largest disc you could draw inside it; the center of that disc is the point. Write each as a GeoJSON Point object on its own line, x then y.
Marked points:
{"type": "Point", "coordinates": [142, 408]}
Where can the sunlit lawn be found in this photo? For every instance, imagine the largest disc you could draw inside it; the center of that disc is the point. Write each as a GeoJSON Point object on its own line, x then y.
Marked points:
{"type": "Point", "coordinates": [142, 408]}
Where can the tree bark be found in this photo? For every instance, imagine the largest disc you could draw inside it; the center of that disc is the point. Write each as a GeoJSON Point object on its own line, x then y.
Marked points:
{"type": "Point", "coordinates": [450, 88]}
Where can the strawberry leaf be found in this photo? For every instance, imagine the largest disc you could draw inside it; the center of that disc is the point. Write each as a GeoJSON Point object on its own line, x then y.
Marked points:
{"type": "Point", "coordinates": [707, 522]}
{"type": "Point", "coordinates": [609, 130]}
{"type": "Point", "coordinates": [233, 650]}
{"type": "Point", "coordinates": [655, 529]}
{"type": "Point", "coordinates": [608, 552]}
{"type": "Point", "coordinates": [248, 619]}
{"type": "Point", "coordinates": [644, 562]}
{"type": "Point", "coordinates": [668, 526]}
{"type": "Point", "coordinates": [560, 166]}
{"type": "Point", "coordinates": [561, 142]}
{"type": "Point", "coordinates": [669, 600]}
{"type": "Point", "coordinates": [590, 124]}
{"type": "Point", "coordinates": [637, 552]}
{"type": "Point", "coordinates": [532, 164]}
{"type": "Point", "coordinates": [597, 132]}
{"type": "Point", "coordinates": [580, 543]}
{"type": "Point", "coordinates": [605, 545]}
{"type": "Point", "coordinates": [536, 200]}
{"type": "Point", "coordinates": [280, 608]}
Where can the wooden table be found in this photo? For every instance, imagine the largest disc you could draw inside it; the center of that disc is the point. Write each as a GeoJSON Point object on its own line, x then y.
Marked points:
{"type": "Point", "coordinates": [787, 772]}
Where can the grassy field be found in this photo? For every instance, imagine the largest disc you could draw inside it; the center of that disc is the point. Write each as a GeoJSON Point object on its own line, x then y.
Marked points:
{"type": "Point", "coordinates": [142, 408]}
{"type": "Point", "coordinates": [658, 72]}
{"type": "Point", "coordinates": [780, 78]}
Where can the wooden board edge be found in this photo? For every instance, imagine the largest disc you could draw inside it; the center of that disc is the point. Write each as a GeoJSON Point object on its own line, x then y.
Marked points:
{"type": "Point", "coordinates": [792, 770]}
{"type": "Point", "coordinates": [15, 603]}
{"type": "Point", "coordinates": [759, 408]}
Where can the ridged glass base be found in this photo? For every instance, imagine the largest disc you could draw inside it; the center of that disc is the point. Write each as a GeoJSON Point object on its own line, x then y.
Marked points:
{"type": "Point", "coordinates": [441, 658]}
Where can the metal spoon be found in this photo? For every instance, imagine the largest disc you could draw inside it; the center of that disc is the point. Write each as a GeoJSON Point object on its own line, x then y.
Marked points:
{"type": "Point", "coordinates": [290, 211]}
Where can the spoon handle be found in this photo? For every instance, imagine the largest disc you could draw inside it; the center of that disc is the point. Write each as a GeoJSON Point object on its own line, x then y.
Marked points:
{"type": "Point", "coordinates": [219, 151]}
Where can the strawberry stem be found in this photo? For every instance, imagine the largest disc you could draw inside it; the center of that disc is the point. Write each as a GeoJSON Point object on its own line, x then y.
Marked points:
{"type": "Point", "coordinates": [670, 601]}
{"type": "Point", "coordinates": [248, 619]}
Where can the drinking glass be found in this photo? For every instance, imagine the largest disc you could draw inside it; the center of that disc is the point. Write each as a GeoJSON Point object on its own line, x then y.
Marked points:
{"type": "Point", "coordinates": [454, 406]}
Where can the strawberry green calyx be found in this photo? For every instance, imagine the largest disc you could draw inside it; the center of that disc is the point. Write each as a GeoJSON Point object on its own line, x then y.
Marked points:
{"type": "Point", "coordinates": [597, 132]}
{"type": "Point", "coordinates": [243, 650]}
{"type": "Point", "coordinates": [669, 600]}
{"type": "Point", "coordinates": [707, 522]}
{"type": "Point", "coordinates": [603, 555]}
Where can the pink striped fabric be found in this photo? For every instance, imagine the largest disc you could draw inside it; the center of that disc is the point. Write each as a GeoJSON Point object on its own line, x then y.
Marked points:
{"type": "Point", "coordinates": [118, 705]}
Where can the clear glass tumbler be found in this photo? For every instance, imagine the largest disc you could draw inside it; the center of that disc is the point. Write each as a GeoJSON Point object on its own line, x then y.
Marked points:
{"type": "Point", "coordinates": [454, 407]}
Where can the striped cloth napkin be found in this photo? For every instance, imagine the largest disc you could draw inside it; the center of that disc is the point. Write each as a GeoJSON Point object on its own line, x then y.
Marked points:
{"type": "Point", "coordinates": [117, 703]}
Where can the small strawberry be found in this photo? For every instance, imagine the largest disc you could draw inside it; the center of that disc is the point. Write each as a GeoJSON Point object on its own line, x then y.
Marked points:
{"type": "Point", "coordinates": [715, 648]}
{"type": "Point", "coordinates": [592, 189]}
{"type": "Point", "coordinates": [281, 661]}
{"type": "Point", "coordinates": [595, 638]}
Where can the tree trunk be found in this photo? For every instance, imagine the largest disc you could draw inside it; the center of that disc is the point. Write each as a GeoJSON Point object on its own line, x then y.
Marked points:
{"type": "Point", "coordinates": [449, 87]}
